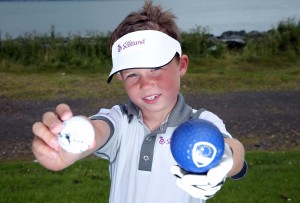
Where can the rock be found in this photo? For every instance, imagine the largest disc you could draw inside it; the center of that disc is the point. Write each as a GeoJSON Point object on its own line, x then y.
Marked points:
{"type": "Point", "coordinates": [233, 34]}
{"type": "Point", "coordinates": [234, 43]}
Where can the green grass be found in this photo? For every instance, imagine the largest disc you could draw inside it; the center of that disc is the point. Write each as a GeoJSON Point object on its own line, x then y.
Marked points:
{"type": "Point", "coordinates": [272, 177]}
{"type": "Point", "coordinates": [199, 79]}
{"type": "Point", "coordinates": [85, 181]}
{"type": "Point", "coordinates": [45, 86]}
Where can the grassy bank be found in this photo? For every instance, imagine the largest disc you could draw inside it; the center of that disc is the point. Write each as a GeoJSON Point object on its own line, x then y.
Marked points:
{"type": "Point", "coordinates": [50, 52]}
{"type": "Point", "coordinates": [51, 67]}
{"type": "Point", "coordinates": [60, 85]}
{"type": "Point", "coordinates": [272, 177]}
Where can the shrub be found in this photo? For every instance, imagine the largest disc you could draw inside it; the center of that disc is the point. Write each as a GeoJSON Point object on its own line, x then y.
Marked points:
{"type": "Point", "coordinates": [52, 52]}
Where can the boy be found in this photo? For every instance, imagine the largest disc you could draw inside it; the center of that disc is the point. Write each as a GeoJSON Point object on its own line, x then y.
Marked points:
{"type": "Point", "coordinates": [134, 137]}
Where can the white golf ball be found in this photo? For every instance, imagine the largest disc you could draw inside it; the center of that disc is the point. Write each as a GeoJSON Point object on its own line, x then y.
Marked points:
{"type": "Point", "coordinates": [77, 135]}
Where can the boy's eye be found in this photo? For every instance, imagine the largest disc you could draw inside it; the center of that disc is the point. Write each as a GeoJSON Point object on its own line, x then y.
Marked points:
{"type": "Point", "coordinates": [131, 75]}
{"type": "Point", "coordinates": [155, 69]}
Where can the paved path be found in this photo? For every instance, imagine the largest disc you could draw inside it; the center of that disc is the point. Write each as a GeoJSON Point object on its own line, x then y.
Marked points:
{"type": "Point", "coordinates": [261, 120]}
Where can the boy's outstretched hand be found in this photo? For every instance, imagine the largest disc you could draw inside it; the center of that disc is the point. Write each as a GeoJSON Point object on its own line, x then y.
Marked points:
{"type": "Point", "coordinates": [45, 145]}
{"type": "Point", "coordinates": [204, 186]}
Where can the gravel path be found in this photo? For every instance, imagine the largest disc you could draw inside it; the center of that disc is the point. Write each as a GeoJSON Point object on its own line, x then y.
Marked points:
{"type": "Point", "coordinates": [260, 120]}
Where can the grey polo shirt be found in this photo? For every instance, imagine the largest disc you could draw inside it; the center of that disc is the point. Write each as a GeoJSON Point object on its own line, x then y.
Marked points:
{"type": "Point", "coordinates": [140, 160]}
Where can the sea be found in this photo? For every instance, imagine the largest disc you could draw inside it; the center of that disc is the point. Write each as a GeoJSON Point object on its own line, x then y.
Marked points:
{"type": "Point", "coordinates": [86, 17]}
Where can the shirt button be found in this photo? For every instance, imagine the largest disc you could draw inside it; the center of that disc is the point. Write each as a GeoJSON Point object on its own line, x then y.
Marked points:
{"type": "Point", "coordinates": [146, 158]}
{"type": "Point", "coordinates": [149, 139]}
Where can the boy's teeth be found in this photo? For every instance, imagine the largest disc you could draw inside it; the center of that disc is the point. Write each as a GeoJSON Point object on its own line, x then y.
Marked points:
{"type": "Point", "coordinates": [151, 97]}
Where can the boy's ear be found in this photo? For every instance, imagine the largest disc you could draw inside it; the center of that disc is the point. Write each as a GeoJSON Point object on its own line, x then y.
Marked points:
{"type": "Point", "coordinates": [183, 63]}
{"type": "Point", "coordinates": [119, 76]}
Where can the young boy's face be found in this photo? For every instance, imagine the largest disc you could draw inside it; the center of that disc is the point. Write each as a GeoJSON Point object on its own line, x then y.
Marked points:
{"type": "Point", "coordinates": [155, 90]}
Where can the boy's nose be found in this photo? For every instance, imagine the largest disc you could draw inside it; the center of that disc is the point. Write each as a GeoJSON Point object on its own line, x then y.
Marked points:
{"type": "Point", "coordinates": [146, 83]}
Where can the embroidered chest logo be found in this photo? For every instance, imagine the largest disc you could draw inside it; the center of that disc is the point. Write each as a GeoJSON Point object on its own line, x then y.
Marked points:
{"type": "Point", "coordinates": [163, 140]}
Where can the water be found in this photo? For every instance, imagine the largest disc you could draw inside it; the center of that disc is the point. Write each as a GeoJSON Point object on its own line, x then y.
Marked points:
{"type": "Point", "coordinates": [83, 17]}
{"type": "Point", "coordinates": [67, 16]}
{"type": "Point", "coordinates": [219, 16]}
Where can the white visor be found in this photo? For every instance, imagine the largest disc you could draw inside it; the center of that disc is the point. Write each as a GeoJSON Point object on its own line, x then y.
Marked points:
{"type": "Point", "coordinates": [143, 49]}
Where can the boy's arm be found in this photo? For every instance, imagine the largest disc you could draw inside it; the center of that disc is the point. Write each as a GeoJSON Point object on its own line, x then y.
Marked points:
{"type": "Point", "coordinates": [238, 154]}
{"type": "Point", "coordinates": [231, 165]}
{"type": "Point", "coordinates": [45, 145]}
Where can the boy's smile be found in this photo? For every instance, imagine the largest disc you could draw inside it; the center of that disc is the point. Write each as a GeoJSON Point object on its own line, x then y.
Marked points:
{"type": "Point", "coordinates": [152, 99]}
{"type": "Point", "coordinates": [155, 90]}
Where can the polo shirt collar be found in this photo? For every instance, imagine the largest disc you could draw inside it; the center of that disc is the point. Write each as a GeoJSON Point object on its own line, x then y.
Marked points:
{"type": "Point", "coordinates": [180, 113]}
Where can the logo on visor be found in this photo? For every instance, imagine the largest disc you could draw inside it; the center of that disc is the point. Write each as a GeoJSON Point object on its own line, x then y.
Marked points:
{"type": "Point", "coordinates": [130, 43]}
{"type": "Point", "coordinates": [119, 48]}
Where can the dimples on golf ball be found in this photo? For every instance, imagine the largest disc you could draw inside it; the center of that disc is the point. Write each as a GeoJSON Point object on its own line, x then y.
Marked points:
{"type": "Point", "coordinates": [77, 135]}
{"type": "Point", "coordinates": [197, 145]}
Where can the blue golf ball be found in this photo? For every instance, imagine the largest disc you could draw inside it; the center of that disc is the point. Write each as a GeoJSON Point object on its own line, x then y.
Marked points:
{"type": "Point", "coordinates": [197, 145]}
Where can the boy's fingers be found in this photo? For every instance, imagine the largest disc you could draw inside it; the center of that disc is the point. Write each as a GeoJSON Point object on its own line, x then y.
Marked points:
{"type": "Point", "coordinates": [177, 171]}
{"type": "Point", "coordinates": [41, 150]}
{"type": "Point", "coordinates": [192, 179]}
{"type": "Point", "coordinates": [51, 120]}
{"type": "Point", "coordinates": [43, 133]}
{"type": "Point", "coordinates": [64, 112]}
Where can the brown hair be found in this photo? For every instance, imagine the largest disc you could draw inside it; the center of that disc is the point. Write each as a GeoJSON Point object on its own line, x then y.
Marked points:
{"type": "Point", "coordinates": [149, 17]}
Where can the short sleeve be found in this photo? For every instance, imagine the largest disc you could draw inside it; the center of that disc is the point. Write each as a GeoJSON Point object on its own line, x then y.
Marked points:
{"type": "Point", "coordinates": [209, 116]}
{"type": "Point", "coordinates": [114, 118]}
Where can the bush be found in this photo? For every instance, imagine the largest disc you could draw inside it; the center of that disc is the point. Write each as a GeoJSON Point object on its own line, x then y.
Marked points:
{"type": "Point", "coordinates": [279, 44]}
{"type": "Point", "coordinates": [52, 52]}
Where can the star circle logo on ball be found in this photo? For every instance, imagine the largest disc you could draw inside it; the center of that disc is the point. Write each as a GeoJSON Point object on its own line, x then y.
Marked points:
{"type": "Point", "coordinates": [203, 153]}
